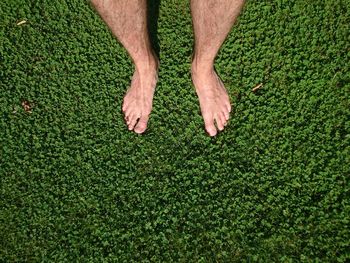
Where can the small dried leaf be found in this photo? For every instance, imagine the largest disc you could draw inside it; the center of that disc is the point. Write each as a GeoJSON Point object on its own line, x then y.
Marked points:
{"type": "Point", "coordinates": [257, 87]}
{"type": "Point", "coordinates": [26, 106]}
{"type": "Point", "coordinates": [21, 22]}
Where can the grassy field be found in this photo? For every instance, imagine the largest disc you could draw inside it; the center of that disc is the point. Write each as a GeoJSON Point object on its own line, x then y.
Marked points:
{"type": "Point", "coordinates": [76, 186]}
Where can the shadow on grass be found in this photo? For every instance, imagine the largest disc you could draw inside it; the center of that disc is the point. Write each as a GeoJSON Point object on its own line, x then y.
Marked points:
{"type": "Point", "coordinates": [152, 20]}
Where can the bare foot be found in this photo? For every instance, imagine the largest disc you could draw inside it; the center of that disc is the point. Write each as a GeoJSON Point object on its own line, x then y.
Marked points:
{"type": "Point", "coordinates": [137, 104]}
{"type": "Point", "coordinates": [213, 99]}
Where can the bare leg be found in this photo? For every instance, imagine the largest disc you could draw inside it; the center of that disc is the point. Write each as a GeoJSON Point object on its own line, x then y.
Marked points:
{"type": "Point", "coordinates": [128, 22]}
{"type": "Point", "coordinates": [212, 21]}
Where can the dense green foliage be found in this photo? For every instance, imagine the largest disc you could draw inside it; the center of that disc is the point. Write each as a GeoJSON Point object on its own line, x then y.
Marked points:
{"type": "Point", "coordinates": [75, 185]}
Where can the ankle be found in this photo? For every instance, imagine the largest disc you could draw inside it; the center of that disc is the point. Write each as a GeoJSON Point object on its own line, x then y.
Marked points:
{"type": "Point", "coordinates": [202, 67]}
{"type": "Point", "coordinates": [147, 63]}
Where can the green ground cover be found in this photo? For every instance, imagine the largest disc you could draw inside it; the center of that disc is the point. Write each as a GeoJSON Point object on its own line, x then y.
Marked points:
{"type": "Point", "coordinates": [76, 186]}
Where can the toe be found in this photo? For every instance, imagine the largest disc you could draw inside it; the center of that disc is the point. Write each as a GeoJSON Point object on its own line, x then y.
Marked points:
{"type": "Point", "coordinates": [142, 124]}
{"type": "Point", "coordinates": [209, 125]}
{"type": "Point", "coordinates": [219, 122]}
{"type": "Point", "coordinates": [223, 119]}
{"type": "Point", "coordinates": [127, 119]}
{"type": "Point", "coordinates": [226, 115]}
{"type": "Point", "coordinates": [132, 122]}
{"type": "Point", "coordinates": [228, 107]}
{"type": "Point", "coordinates": [128, 113]}
{"type": "Point", "coordinates": [124, 106]}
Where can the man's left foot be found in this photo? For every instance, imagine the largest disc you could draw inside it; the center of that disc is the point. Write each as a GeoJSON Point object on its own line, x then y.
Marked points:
{"type": "Point", "coordinates": [213, 98]}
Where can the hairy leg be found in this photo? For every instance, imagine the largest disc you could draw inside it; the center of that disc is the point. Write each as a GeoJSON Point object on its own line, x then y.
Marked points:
{"type": "Point", "coordinates": [127, 20]}
{"type": "Point", "coordinates": [212, 21]}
